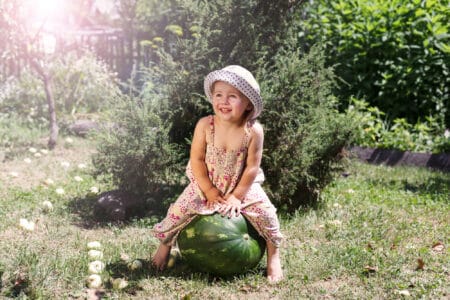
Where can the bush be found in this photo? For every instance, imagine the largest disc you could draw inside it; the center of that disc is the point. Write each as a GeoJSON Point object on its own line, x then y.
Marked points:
{"type": "Point", "coordinates": [301, 150]}
{"type": "Point", "coordinates": [304, 133]}
{"type": "Point", "coordinates": [136, 153]}
{"type": "Point", "coordinates": [395, 54]}
{"type": "Point", "coordinates": [375, 131]}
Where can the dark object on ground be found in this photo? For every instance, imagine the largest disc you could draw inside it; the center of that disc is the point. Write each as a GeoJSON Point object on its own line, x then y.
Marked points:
{"type": "Point", "coordinates": [117, 205]}
{"type": "Point", "coordinates": [82, 127]}
{"type": "Point", "coordinates": [395, 157]}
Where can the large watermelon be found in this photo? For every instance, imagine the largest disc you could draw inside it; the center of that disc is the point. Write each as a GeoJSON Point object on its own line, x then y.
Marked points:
{"type": "Point", "coordinates": [221, 246]}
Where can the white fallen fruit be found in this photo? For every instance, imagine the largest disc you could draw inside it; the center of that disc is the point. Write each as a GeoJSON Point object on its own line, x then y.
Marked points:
{"type": "Point", "coordinates": [26, 225]}
{"type": "Point", "coordinates": [135, 265]}
{"type": "Point", "coordinates": [94, 245]}
{"type": "Point", "coordinates": [119, 283]}
{"type": "Point", "coordinates": [95, 254]}
{"type": "Point", "coordinates": [94, 281]}
{"type": "Point", "coordinates": [96, 267]}
{"type": "Point", "coordinates": [47, 206]}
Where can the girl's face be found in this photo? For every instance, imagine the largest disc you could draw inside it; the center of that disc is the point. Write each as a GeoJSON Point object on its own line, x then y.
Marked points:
{"type": "Point", "coordinates": [229, 103]}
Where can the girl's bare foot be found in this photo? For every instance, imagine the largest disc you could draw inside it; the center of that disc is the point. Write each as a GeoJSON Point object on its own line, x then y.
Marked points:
{"type": "Point", "coordinates": [159, 260]}
{"type": "Point", "coordinates": [274, 270]}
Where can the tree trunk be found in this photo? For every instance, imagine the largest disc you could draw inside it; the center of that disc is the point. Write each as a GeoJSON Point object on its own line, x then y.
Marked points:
{"type": "Point", "coordinates": [51, 110]}
{"type": "Point", "coordinates": [47, 80]}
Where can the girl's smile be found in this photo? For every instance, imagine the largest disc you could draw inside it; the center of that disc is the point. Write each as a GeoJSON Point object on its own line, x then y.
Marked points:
{"type": "Point", "coordinates": [229, 103]}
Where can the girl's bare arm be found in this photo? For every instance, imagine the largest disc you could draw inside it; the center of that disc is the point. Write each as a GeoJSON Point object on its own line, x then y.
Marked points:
{"type": "Point", "coordinates": [198, 165]}
{"type": "Point", "coordinates": [253, 162]}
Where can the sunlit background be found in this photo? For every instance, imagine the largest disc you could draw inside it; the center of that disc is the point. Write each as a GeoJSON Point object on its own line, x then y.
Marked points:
{"type": "Point", "coordinates": [53, 18]}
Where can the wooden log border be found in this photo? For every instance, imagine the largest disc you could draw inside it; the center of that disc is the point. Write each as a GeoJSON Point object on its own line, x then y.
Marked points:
{"type": "Point", "coordinates": [388, 157]}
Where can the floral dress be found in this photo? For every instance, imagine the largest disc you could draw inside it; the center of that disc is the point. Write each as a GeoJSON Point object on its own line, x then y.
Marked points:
{"type": "Point", "coordinates": [225, 168]}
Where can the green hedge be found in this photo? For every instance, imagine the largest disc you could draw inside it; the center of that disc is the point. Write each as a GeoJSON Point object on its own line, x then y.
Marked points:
{"type": "Point", "coordinates": [395, 54]}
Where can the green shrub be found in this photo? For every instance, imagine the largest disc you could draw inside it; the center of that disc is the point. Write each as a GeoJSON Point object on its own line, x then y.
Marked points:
{"type": "Point", "coordinates": [374, 131]}
{"type": "Point", "coordinates": [304, 133]}
{"type": "Point", "coordinates": [81, 85]}
{"type": "Point", "coordinates": [395, 54]}
{"type": "Point", "coordinates": [135, 151]}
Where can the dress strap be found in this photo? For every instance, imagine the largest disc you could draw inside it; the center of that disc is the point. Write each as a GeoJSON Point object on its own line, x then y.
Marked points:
{"type": "Point", "coordinates": [248, 134]}
{"type": "Point", "coordinates": [211, 131]}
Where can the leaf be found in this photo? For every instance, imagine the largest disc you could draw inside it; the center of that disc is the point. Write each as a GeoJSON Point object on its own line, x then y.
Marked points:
{"type": "Point", "coordinates": [371, 269]}
{"type": "Point", "coordinates": [420, 264]}
{"type": "Point", "coordinates": [438, 247]}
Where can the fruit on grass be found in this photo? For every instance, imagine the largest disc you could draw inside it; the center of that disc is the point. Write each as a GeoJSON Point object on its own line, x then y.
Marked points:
{"type": "Point", "coordinates": [94, 281]}
{"type": "Point", "coordinates": [95, 254]}
{"type": "Point", "coordinates": [135, 265]}
{"type": "Point", "coordinates": [96, 267]}
{"type": "Point", "coordinates": [221, 246]}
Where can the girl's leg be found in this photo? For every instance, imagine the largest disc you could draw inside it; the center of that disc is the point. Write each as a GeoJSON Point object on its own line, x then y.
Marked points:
{"type": "Point", "coordinates": [274, 270]}
{"type": "Point", "coordinates": [159, 260]}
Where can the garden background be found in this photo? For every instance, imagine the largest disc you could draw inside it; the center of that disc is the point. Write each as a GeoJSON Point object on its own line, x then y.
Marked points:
{"type": "Point", "coordinates": [333, 75]}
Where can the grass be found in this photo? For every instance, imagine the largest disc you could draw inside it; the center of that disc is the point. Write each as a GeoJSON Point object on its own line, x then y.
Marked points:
{"type": "Point", "coordinates": [376, 236]}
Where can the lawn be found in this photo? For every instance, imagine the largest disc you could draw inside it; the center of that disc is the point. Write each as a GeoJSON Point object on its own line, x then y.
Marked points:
{"type": "Point", "coordinates": [381, 232]}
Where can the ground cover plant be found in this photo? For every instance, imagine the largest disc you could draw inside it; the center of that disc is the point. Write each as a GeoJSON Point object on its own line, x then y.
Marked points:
{"type": "Point", "coordinates": [380, 232]}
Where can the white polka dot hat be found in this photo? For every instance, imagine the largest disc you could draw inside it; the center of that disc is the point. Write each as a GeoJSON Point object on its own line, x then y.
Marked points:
{"type": "Point", "coordinates": [241, 79]}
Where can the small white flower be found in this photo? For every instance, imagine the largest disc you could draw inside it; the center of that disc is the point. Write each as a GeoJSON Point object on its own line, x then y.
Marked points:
{"type": "Point", "coordinates": [27, 160]}
{"type": "Point", "coordinates": [37, 154]}
{"type": "Point", "coordinates": [336, 205]}
{"type": "Point", "coordinates": [44, 151]}
{"type": "Point", "coordinates": [14, 174]}
{"type": "Point", "coordinates": [81, 166]}
{"type": "Point", "coordinates": [94, 281]}
{"type": "Point", "coordinates": [60, 191]}
{"type": "Point", "coordinates": [94, 245]}
{"type": "Point", "coordinates": [447, 133]}
{"type": "Point", "coordinates": [26, 225]}
{"type": "Point", "coordinates": [49, 181]}
{"type": "Point", "coordinates": [78, 178]}
{"type": "Point", "coordinates": [95, 254]}
{"type": "Point", "coordinates": [119, 283]}
{"type": "Point", "coordinates": [69, 140]}
{"type": "Point", "coordinates": [65, 164]}
{"type": "Point", "coordinates": [404, 293]}
{"type": "Point", "coordinates": [32, 150]}
{"type": "Point", "coordinates": [96, 267]}
{"type": "Point", "coordinates": [47, 205]}
{"type": "Point", "coordinates": [350, 191]}
{"type": "Point", "coordinates": [94, 190]}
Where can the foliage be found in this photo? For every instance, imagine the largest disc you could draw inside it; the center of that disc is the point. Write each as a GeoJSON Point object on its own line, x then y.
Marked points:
{"type": "Point", "coordinates": [81, 86]}
{"type": "Point", "coordinates": [305, 135]}
{"type": "Point", "coordinates": [136, 152]}
{"type": "Point", "coordinates": [395, 54]}
{"type": "Point", "coordinates": [374, 131]}
{"type": "Point", "coordinates": [306, 122]}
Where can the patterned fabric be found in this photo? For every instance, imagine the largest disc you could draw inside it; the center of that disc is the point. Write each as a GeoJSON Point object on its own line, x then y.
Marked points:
{"type": "Point", "coordinates": [241, 79]}
{"type": "Point", "coordinates": [224, 170]}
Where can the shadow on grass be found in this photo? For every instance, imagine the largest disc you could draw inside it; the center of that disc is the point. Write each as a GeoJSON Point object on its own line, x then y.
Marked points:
{"type": "Point", "coordinates": [121, 269]}
{"type": "Point", "coordinates": [118, 208]}
{"type": "Point", "coordinates": [436, 184]}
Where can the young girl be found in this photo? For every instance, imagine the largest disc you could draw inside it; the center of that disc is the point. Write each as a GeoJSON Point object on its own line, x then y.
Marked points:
{"type": "Point", "coordinates": [224, 167]}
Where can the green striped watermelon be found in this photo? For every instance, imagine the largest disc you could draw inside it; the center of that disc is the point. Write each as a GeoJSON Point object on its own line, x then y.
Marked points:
{"type": "Point", "coordinates": [221, 246]}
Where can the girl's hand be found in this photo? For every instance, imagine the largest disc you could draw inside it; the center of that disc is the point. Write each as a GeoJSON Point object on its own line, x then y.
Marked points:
{"type": "Point", "coordinates": [213, 196]}
{"type": "Point", "coordinates": [232, 205]}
